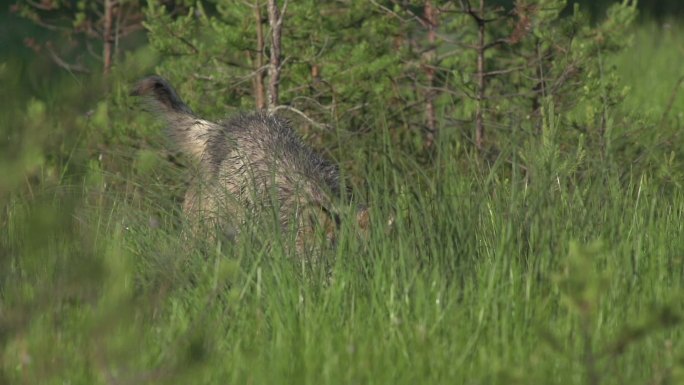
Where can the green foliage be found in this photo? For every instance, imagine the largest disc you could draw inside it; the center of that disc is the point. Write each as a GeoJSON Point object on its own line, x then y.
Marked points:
{"type": "Point", "coordinates": [331, 49]}
{"type": "Point", "coordinates": [470, 284]}
{"type": "Point", "coordinates": [556, 259]}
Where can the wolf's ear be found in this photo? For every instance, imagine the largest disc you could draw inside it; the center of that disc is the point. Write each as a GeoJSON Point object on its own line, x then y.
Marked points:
{"type": "Point", "coordinates": [317, 220]}
{"type": "Point", "coordinates": [363, 218]}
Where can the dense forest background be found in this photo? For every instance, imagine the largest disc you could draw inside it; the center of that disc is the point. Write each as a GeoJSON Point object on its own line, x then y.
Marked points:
{"type": "Point", "coordinates": [521, 162]}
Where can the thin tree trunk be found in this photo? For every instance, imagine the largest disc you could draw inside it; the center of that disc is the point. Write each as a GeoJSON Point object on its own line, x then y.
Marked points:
{"type": "Point", "coordinates": [108, 35]}
{"type": "Point", "coordinates": [275, 19]}
{"type": "Point", "coordinates": [539, 90]}
{"type": "Point", "coordinates": [430, 115]}
{"type": "Point", "coordinates": [259, 90]}
{"type": "Point", "coordinates": [479, 114]}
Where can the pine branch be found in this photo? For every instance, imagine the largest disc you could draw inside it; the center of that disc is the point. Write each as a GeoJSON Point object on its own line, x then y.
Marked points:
{"type": "Point", "coordinates": [63, 64]}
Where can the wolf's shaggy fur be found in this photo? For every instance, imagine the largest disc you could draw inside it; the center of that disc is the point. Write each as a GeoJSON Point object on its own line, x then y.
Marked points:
{"type": "Point", "coordinates": [247, 164]}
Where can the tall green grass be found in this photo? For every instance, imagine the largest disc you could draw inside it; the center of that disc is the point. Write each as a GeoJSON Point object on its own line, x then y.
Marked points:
{"type": "Point", "coordinates": [543, 267]}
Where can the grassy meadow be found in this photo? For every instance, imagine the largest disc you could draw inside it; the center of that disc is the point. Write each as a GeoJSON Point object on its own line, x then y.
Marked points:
{"type": "Point", "coordinates": [534, 266]}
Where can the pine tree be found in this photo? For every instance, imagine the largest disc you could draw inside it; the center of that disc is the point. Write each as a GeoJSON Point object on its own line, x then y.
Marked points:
{"type": "Point", "coordinates": [418, 66]}
{"type": "Point", "coordinates": [94, 27]}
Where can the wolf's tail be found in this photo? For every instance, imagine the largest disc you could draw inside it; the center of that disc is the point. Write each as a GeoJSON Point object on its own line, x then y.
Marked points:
{"type": "Point", "coordinates": [161, 96]}
{"type": "Point", "coordinates": [190, 132]}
